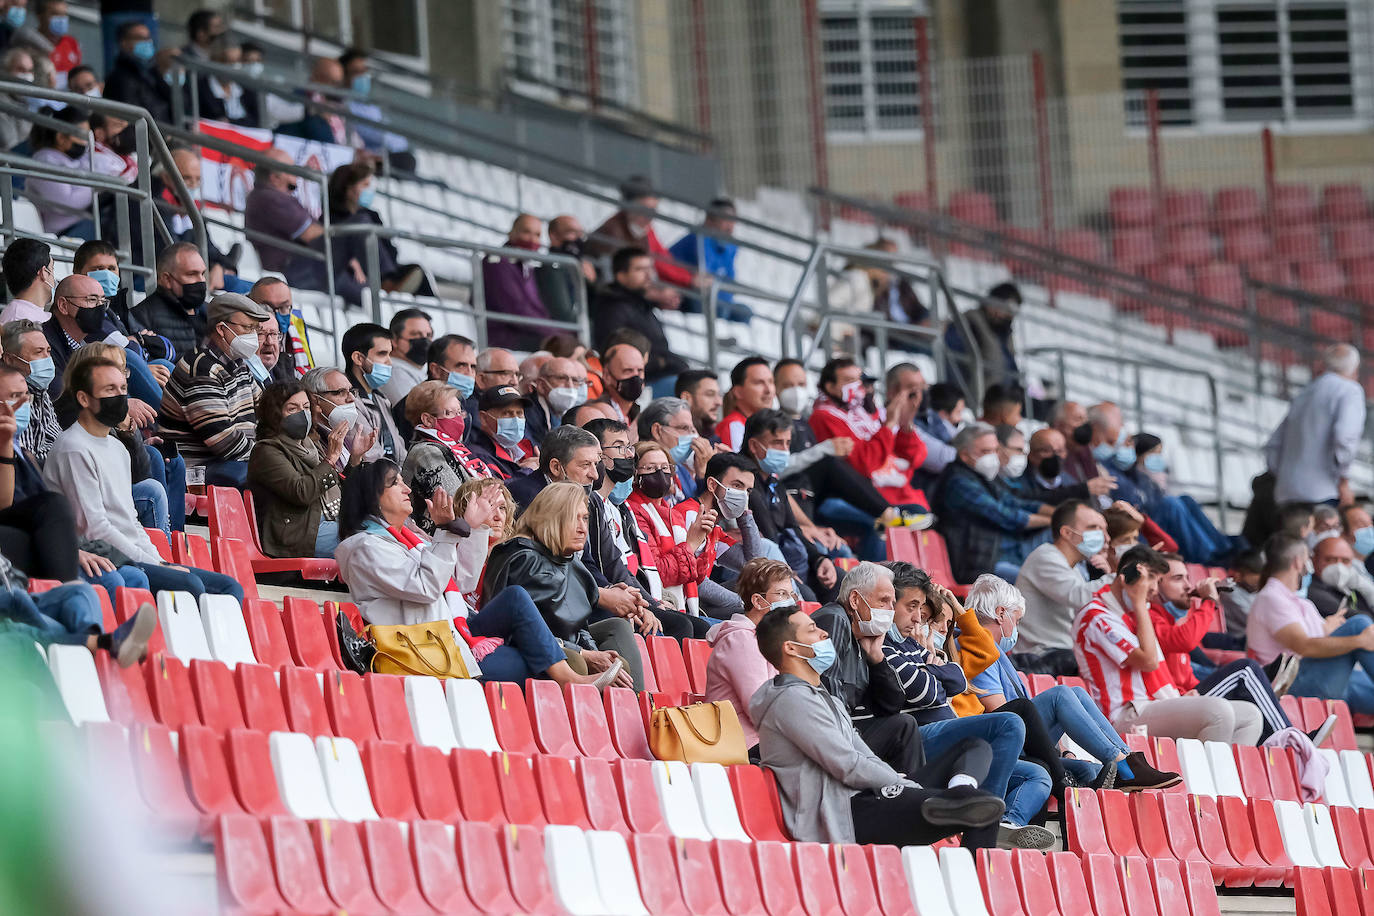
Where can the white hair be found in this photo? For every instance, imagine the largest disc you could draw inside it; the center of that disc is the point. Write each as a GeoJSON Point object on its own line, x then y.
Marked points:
{"type": "Point", "coordinates": [989, 592]}
{"type": "Point", "coordinates": [965, 437]}
{"type": "Point", "coordinates": [1343, 359]}
{"type": "Point", "coordinates": [863, 579]}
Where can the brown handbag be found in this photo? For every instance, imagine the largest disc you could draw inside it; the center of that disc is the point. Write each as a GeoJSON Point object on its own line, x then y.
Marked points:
{"type": "Point", "coordinates": [418, 648]}
{"type": "Point", "coordinates": [700, 733]}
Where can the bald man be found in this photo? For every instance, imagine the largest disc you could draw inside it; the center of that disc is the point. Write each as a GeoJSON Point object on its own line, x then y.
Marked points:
{"type": "Point", "coordinates": [272, 209]}
{"type": "Point", "coordinates": [623, 370]}
{"type": "Point", "coordinates": [529, 370]}
{"type": "Point", "coordinates": [558, 285]}
{"type": "Point", "coordinates": [509, 287]}
{"type": "Point", "coordinates": [1339, 579]}
{"type": "Point", "coordinates": [560, 386]}
{"type": "Point", "coordinates": [1045, 478]}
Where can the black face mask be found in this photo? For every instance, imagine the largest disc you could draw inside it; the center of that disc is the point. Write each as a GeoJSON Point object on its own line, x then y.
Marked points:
{"type": "Point", "coordinates": [123, 142]}
{"type": "Point", "coordinates": [192, 295]}
{"type": "Point", "coordinates": [1083, 434]}
{"type": "Point", "coordinates": [622, 469]}
{"type": "Point", "coordinates": [655, 485]}
{"type": "Point", "coordinates": [297, 425]}
{"type": "Point", "coordinates": [418, 350]}
{"type": "Point", "coordinates": [76, 151]}
{"type": "Point", "coordinates": [630, 387]}
{"type": "Point", "coordinates": [113, 410]}
{"type": "Point", "coordinates": [572, 246]}
{"type": "Point", "coordinates": [1049, 467]}
{"type": "Point", "coordinates": [90, 320]}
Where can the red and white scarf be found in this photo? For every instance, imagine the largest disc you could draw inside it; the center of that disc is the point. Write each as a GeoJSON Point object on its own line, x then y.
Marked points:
{"type": "Point", "coordinates": [667, 536]}
{"type": "Point", "coordinates": [472, 466]}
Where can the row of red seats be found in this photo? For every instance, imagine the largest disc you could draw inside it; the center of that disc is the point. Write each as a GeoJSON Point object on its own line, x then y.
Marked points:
{"type": "Point", "coordinates": [1335, 892]}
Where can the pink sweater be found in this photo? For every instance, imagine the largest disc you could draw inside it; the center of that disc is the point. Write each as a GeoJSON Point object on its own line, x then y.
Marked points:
{"type": "Point", "coordinates": [736, 669]}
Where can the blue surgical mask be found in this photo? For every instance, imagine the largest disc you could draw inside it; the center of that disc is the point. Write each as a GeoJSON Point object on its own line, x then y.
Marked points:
{"type": "Point", "coordinates": [683, 448]}
{"type": "Point", "coordinates": [21, 417]}
{"type": "Point", "coordinates": [464, 383]}
{"type": "Point", "coordinates": [894, 634]}
{"type": "Point", "coordinates": [937, 640]}
{"type": "Point", "coordinates": [1007, 643]}
{"type": "Point", "coordinates": [59, 25]}
{"type": "Point", "coordinates": [284, 324]}
{"type": "Point", "coordinates": [14, 16]}
{"type": "Point", "coordinates": [1154, 463]}
{"type": "Point", "coordinates": [1093, 542]}
{"type": "Point", "coordinates": [256, 367]}
{"type": "Point", "coordinates": [1125, 456]}
{"type": "Point", "coordinates": [1104, 453]}
{"type": "Point", "coordinates": [108, 280]}
{"type": "Point", "coordinates": [622, 490]}
{"type": "Point", "coordinates": [1306, 581]}
{"type": "Point", "coordinates": [775, 460]}
{"type": "Point", "coordinates": [378, 375]}
{"type": "Point", "coordinates": [366, 197]}
{"type": "Point", "coordinates": [1364, 541]}
{"type": "Point", "coordinates": [1174, 610]}
{"type": "Point", "coordinates": [824, 657]}
{"type": "Point", "coordinates": [145, 51]}
{"type": "Point", "coordinates": [509, 431]}
{"type": "Point", "coordinates": [362, 84]}
{"type": "Point", "coordinates": [42, 372]}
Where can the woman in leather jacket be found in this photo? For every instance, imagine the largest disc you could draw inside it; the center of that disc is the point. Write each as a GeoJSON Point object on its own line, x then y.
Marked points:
{"type": "Point", "coordinates": [543, 558]}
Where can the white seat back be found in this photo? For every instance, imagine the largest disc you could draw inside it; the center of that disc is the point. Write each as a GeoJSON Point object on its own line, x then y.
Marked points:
{"type": "Point", "coordinates": [1336, 792]}
{"type": "Point", "coordinates": [1297, 841]}
{"type": "Point", "coordinates": [615, 873]}
{"type": "Point", "coordinates": [73, 669]}
{"type": "Point", "coordinates": [1225, 775]}
{"type": "Point", "coordinates": [962, 886]}
{"type": "Point", "coordinates": [225, 631]}
{"type": "Point", "coordinates": [181, 626]}
{"type": "Point", "coordinates": [1197, 770]}
{"type": "Point", "coordinates": [677, 798]}
{"type": "Point", "coordinates": [428, 716]}
{"type": "Point", "coordinates": [1357, 779]}
{"type": "Point", "coordinates": [571, 871]}
{"type": "Point", "coordinates": [471, 717]}
{"type": "Point", "coordinates": [717, 802]}
{"type": "Point", "coordinates": [299, 780]}
{"type": "Point", "coordinates": [1322, 830]}
{"type": "Point", "coordinates": [925, 881]}
{"type": "Point", "coordinates": [344, 778]}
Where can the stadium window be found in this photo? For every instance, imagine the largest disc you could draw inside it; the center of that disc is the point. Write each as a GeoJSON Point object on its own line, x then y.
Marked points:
{"type": "Point", "coordinates": [1217, 62]}
{"type": "Point", "coordinates": [870, 73]}
{"type": "Point", "coordinates": [544, 42]}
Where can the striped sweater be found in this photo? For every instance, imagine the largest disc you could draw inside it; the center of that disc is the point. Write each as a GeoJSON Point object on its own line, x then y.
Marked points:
{"type": "Point", "coordinates": [208, 407]}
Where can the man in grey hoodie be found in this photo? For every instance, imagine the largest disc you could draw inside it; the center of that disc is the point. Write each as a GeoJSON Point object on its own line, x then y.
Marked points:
{"type": "Point", "coordinates": [833, 788]}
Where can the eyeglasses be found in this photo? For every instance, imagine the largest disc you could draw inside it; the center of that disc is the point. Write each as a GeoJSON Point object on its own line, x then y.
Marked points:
{"type": "Point", "coordinates": [269, 336]}
{"type": "Point", "coordinates": [89, 302]}
{"type": "Point", "coordinates": [500, 373]}
{"type": "Point", "coordinates": [249, 329]}
{"type": "Point", "coordinates": [684, 430]}
{"type": "Point", "coordinates": [335, 392]}
{"type": "Point", "coordinates": [618, 451]}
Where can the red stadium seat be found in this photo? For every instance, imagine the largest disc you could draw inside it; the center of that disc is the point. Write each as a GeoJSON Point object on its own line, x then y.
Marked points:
{"type": "Point", "coordinates": [1104, 889]}
{"type": "Point", "coordinates": [384, 763]}
{"type": "Point", "coordinates": [669, 667]}
{"type": "Point", "coordinates": [756, 796]}
{"type": "Point", "coordinates": [1254, 773]}
{"type": "Point", "coordinates": [305, 634]}
{"type": "Point", "coordinates": [519, 794]}
{"type": "Point", "coordinates": [169, 690]}
{"type": "Point", "coordinates": [1340, 886]}
{"type": "Point", "coordinates": [250, 769]}
{"type": "Point", "coordinates": [345, 701]}
{"type": "Point", "coordinates": [935, 561]}
{"type": "Point", "coordinates": [1134, 249]}
{"type": "Point", "coordinates": [1039, 683]}
{"type": "Point", "coordinates": [231, 516]}
{"type": "Point", "coordinates": [159, 778]}
{"type": "Point", "coordinates": [436, 867]}
{"type": "Point", "coordinates": [127, 602]}
{"type": "Point", "coordinates": [912, 200]}
{"type": "Point", "coordinates": [1169, 887]}
{"type": "Point", "coordinates": [696, 874]}
{"type": "Point", "coordinates": [304, 701]}
{"type": "Point", "coordinates": [125, 690]}
{"type": "Point", "coordinates": [201, 754]}
{"type": "Point", "coordinates": [587, 715]}
{"type": "Point", "coordinates": [433, 784]}
{"type": "Point", "coordinates": [1283, 777]}
{"type": "Point", "coordinates": [244, 867]}
{"type": "Point", "coordinates": [1151, 834]}
{"type": "Point", "coordinates": [1352, 241]}
{"type": "Point", "coordinates": [974, 207]}
{"type": "Point", "coordinates": [386, 696]}
{"type": "Point", "coordinates": [889, 878]}
{"type": "Point", "coordinates": [1186, 208]}
{"type": "Point", "coordinates": [1178, 821]}
{"type": "Point", "coordinates": [160, 543]}
{"type": "Point", "coordinates": [1311, 894]}
{"type": "Point", "coordinates": [1298, 242]}
{"type": "Point", "coordinates": [1268, 839]}
{"type": "Point", "coordinates": [1240, 840]}
{"type": "Point", "coordinates": [510, 718]}
{"type": "Point", "coordinates": [484, 873]}
{"type": "Point", "coordinates": [650, 679]}
{"type": "Point", "coordinates": [560, 792]}
{"type": "Point", "coordinates": [1343, 203]}
{"type": "Point", "coordinates": [299, 877]}
{"type": "Point", "coordinates": [1165, 757]}
{"type": "Point", "coordinates": [523, 851]}
{"type": "Point", "coordinates": [266, 633]}
{"type": "Point", "coordinates": [999, 882]}
{"type": "Point", "coordinates": [1084, 831]}
{"type": "Point", "coordinates": [549, 719]}
{"type": "Point", "coordinates": [1066, 872]}
{"type": "Point", "coordinates": [478, 794]}
{"type": "Point", "coordinates": [231, 557]}
{"type": "Point", "coordinates": [600, 794]}
{"type": "Point", "coordinates": [1137, 888]}
{"type": "Point", "coordinates": [193, 550]}
{"type": "Point", "coordinates": [1188, 245]}
{"type": "Point", "coordinates": [901, 545]}
{"type": "Point", "coordinates": [815, 880]}
{"type": "Point", "coordinates": [1118, 823]}
{"type": "Point", "coordinates": [1212, 841]}
{"type": "Point", "coordinates": [1294, 203]}
{"type": "Point", "coordinates": [213, 685]}
{"type": "Point", "coordinates": [1128, 207]}
{"type": "Point", "coordinates": [260, 698]}
{"type": "Point", "coordinates": [628, 732]}
{"type": "Point", "coordinates": [1033, 878]}
{"type": "Point", "coordinates": [638, 797]}
{"type": "Point", "coordinates": [1202, 893]}
{"type": "Point", "coordinates": [1316, 710]}
{"type": "Point", "coordinates": [1349, 824]}
{"type": "Point", "coordinates": [655, 867]}
{"type": "Point", "coordinates": [391, 867]}
{"type": "Point", "coordinates": [1237, 206]}
{"type": "Point", "coordinates": [696, 652]}
{"type": "Point", "coordinates": [739, 883]}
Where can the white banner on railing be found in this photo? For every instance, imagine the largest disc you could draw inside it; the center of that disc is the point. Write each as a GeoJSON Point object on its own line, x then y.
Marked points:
{"type": "Point", "coordinates": [225, 180]}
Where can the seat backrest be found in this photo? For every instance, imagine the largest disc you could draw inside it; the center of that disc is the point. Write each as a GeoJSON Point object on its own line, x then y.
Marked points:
{"type": "Point", "coordinates": [1321, 829]}
{"type": "Point", "coordinates": [1283, 778]}
{"type": "Point", "coordinates": [696, 653]}
{"type": "Point", "coordinates": [260, 698]}
{"type": "Point", "coordinates": [468, 711]}
{"type": "Point", "coordinates": [479, 852]}
{"type": "Point", "coordinates": [650, 680]}
{"type": "Point", "coordinates": [436, 867]}
{"type": "Point", "coordinates": [1336, 792]}
{"type": "Point", "coordinates": [717, 802]}
{"type": "Point", "coordinates": [600, 794]}
{"type": "Point", "coordinates": [213, 685]}
{"type": "Point", "coordinates": [628, 733]}
{"type": "Point", "coordinates": [232, 557]}
{"type": "Point", "coordinates": [179, 617]}
{"type": "Point", "coordinates": [559, 791]}
{"type": "Point", "coordinates": [1137, 890]}
{"type": "Point", "coordinates": [696, 873]}
{"type": "Point", "coordinates": [519, 792]}
{"type": "Point", "coordinates": [549, 718]}
{"type": "Point", "coordinates": [126, 693]}
{"type": "Point", "coordinates": [678, 801]}
{"type": "Point", "coordinates": [249, 758]}
{"type": "Point", "coordinates": [1197, 769]}
{"type": "Point", "coordinates": [1033, 881]}
{"type": "Point", "coordinates": [815, 880]}
{"type": "Point", "coordinates": [1356, 770]}
{"type": "Point", "coordinates": [962, 886]}
{"type": "Point", "coordinates": [302, 693]}
{"type": "Point", "coordinates": [669, 668]}
{"type": "Point", "coordinates": [266, 633]}
{"type": "Point", "coordinates": [1297, 842]}
{"type": "Point", "coordinates": [305, 633]}
{"type": "Point", "coordinates": [244, 866]}
{"type": "Point", "coordinates": [656, 869]}
{"type": "Point", "coordinates": [1085, 832]}
{"type": "Point", "coordinates": [169, 691]}
{"type": "Point", "coordinates": [926, 880]}
{"type": "Point", "coordinates": [587, 716]}
{"type": "Point", "coordinates": [390, 864]}
{"type": "Point", "coordinates": [889, 877]}
{"type": "Point", "coordinates": [299, 876]}
{"type": "Point", "coordinates": [73, 670]}
{"type": "Point", "coordinates": [527, 868]}
{"type": "Point", "coordinates": [227, 516]}
{"type": "Point", "coordinates": [1117, 823]}
{"type": "Point", "coordinates": [510, 717]}
{"type": "Point", "coordinates": [1225, 776]}
{"type": "Point", "coordinates": [225, 631]}
{"type": "Point", "coordinates": [431, 781]}
{"type": "Point", "coordinates": [756, 799]}
{"type": "Point", "coordinates": [638, 797]}
{"type": "Point", "coordinates": [344, 778]}
{"type": "Point", "coordinates": [739, 883]}
{"type": "Point", "coordinates": [570, 866]}
{"type": "Point", "coordinates": [428, 716]}
{"type": "Point", "coordinates": [1254, 775]}
{"type": "Point", "coordinates": [386, 694]}
{"type": "Point", "coordinates": [384, 765]}
{"type": "Point", "coordinates": [345, 701]}
{"type": "Point", "coordinates": [1066, 873]}
{"type": "Point", "coordinates": [299, 780]}
{"type": "Point", "coordinates": [345, 868]}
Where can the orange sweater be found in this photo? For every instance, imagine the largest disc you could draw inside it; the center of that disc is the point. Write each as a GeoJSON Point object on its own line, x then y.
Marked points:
{"type": "Point", "coordinates": [977, 651]}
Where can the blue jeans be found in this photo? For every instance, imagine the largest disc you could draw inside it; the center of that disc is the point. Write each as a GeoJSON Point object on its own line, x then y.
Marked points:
{"type": "Point", "coordinates": [1004, 731]}
{"type": "Point", "coordinates": [142, 385]}
{"type": "Point", "coordinates": [150, 504]}
{"type": "Point", "coordinates": [327, 538]}
{"type": "Point", "coordinates": [1027, 792]}
{"type": "Point", "coordinates": [196, 581]}
{"type": "Point", "coordinates": [127, 576]}
{"type": "Point", "coordinates": [171, 473]}
{"type": "Point", "coordinates": [530, 649]}
{"type": "Point", "coordinates": [1335, 678]}
{"type": "Point", "coordinates": [847, 518]}
{"type": "Point", "coordinates": [1004, 570]}
{"type": "Point", "coordinates": [1071, 711]}
{"type": "Point", "coordinates": [227, 474]}
{"type": "Point", "coordinates": [68, 614]}
{"type": "Point", "coordinates": [1198, 539]}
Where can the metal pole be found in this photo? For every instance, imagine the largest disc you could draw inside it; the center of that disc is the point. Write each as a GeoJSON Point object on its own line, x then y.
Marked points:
{"type": "Point", "coordinates": [590, 40]}
{"type": "Point", "coordinates": [1270, 181]}
{"type": "Point", "coordinates": [479, 302]}
{"type": "Point", "coordinates": [1216, 451]}
{"type": "Point", "coordinates": [703, 76]}
{"type": "Point", "coordinates": [928, 124]}
{"type": "Point", "coordinates": [811, 35]}
{"type": "Point", "coordinates": [709, 308]}
{"type": "Point", "coordinates": [1156, 160]}
{"type": "Point", "coordinates": [7, 209]}
{"type": "Point", "coordinates": [328, 239]}
{"type": "Point", "coordinates": [1042, 154]}
{"type": "Point", "coordinates": [374, 276]}
{"type": "Point", "coordinates": [145, 204]}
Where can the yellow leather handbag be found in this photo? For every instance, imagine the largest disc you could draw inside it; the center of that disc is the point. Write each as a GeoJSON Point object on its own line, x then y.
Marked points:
{"type": "Point", "coordinates": [419, 648]}
{"type": "Point", "coordinates": [700, 733]}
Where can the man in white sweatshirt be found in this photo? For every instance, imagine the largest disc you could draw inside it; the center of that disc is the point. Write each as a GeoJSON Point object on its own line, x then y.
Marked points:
{"type": "Point", "coordinates": [91, 468]}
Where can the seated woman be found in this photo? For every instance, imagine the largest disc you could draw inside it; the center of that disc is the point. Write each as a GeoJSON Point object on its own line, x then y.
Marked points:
{"type": "Point", "coordinates": [683, 554]}
{"type": "Point", "coordinates": [544, 557]}
{"type": "Point", "coordinates": [398, 577]}
{"type": "Point", "coordinates": [352, 189]}
{"type": "Point", "coordinates": [65, 208]}
{"type": "Point", "coordinates": [436, 455]}
{"type": "Point", "coordinates": [1064, 710]}
{"type": "Point", "coordinates": [295, 488]}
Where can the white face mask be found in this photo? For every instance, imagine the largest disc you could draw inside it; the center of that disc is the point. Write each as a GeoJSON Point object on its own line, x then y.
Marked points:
{"type": "Point", "coordinates": [343, 413]}
{"type": "Point", "coordinates": [880, 619]}
{"type": "Point", "coordinates": [988, 466]}
{"type": "Point", "coordinates": [564, 399]}
{"type": "Point", "coordinates": [1339, 576]}
{"type": "Point", "coordinates": [1016, 466]}
{"type": "Point", "coordinates": [793, 400]}
{"type": "Point", "coordinates": [244, 345]}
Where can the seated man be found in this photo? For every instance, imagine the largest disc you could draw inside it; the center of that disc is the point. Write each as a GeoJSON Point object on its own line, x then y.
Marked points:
{"type": "Point", "coordinates": [1056, 581]}
{"type": "Point", "coordinates": [26, 350]}
{"type": "Point", "coordinates": [834, 789]}
{"type": "Point", "coordinates": [1115, 654]}
{"type": "Point", "coordinates": [1248, 573]}
{"type": "Point", "coordinates": [411, 334]}
{"type": "Point", "coordinates": [176, 308]}
{"type": "Point", "coordinates": [367, 364]}
{"type": "Point", "coordinates": [714, 256]}
{"type": "Point", "coordinates": [559, 387]}
{"type": "Point", "coordinates": [1337, 654]}
{"type": "Point", "coordinates": [332, 405]}
{"type": "Point", "coordinates": [700, 388]}
{"type": "Point", "coordinates": [1198, 538]}
{"type": "Point", "coordinates": [510, 288]}
{"type": "Point", "coordinates": [498, 437]}
{"type": "Point", "coordinates": [909, 378]}
{"type": "Point", "coordinates": [1339, 582]}
{"type": "Point", "coordinates": [623, 368]}
{"type": "Point", "coordinates": [208, 407]}
{"type": "Point", "coordinates": [1357, 530]}
{"type": "Point", "coordinates": [735, 669]}
{"type": "Point", "coordinates": [984, 523]}
{"type": "Point", "coordinates": [886, 450]}
{"type": "Point", "coordinates": [1045, 478]}
{"type": "Point", "coordinates": [91, 468]}
{"type": "Point", "coordinates": [751, 387]}
{"type": "Point", "coordinates": [624, 303]}
{"type": "Point", "coordinates": [295, 359]}
{"type": "Point", "coordinates": [28, 269]}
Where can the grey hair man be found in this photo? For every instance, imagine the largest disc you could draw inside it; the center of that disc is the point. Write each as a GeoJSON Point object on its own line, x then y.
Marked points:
{"type": "Point", "coordinates": [1311, 451]}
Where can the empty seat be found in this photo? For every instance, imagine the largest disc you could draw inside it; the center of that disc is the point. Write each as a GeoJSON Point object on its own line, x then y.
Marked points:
{"type": "Point", "coordinates": [260, 698]}
{"type": "Point", "coordinates": [962, 887]}
{"type": "Point", "coordinates": [1269, 837]}
{"type": "Point", "coordinates": [572, 873]}
{"type": "Point", "coordinates": [301, 695]}
{"type": "Point", "coordinates": [600, 794]}
{"type": "Point", "coordinates": [73, 670]}
{"type": "Point", "coordinates": [638, 796]}
{"type": "Point", "coordinates": [628, 733]}
{"type": "Point", "coordinates": [479, 852]}
{"type": "Point", "coordinates": [249, 757]}
{"type": "Point", "coordinates": [1211, 839]}
{"type": "Point", "coordinates": [1238, 205]}
{"type": "Point", "coordinates": [344, 778]}
{"type": "Point", "coordinates": [815, 882]}
{"type": "Point", "coordinates": [998, 879]}
{"type": "Point", "coordinates": [436, 867]}
{"type": "Point", "coordinates": [669, 668]}
{"type": "Point", "coordinates": [1297, 841]}
{"type": "Point", "coordinates": [1085, 832]}
{"type": "Point", "coordinates": [717, 802]}
{"type": "Point", "coordinates": [656, 870]}
{"type": "Point", "coordinates": [387, 696]}
{"type": "Point", "coordinates": [159, 779]}
{"type": "Point", "coordinates": [549, 718]}
{"type": "Point", "coordinates": [431, 782]}
{"type": "Point", "coordinates": [299, 780]}
{"type": "Point", "coordinates": [1118, 823]}
{"type": "Point", "coordinates": [926, 880]}
{"type": "Point", "coordinates": [739, 882]}
{"type": "Point", "coordinates": [1321, 829]}
{"type": "Point", "coordinates": [265, 632]}
{"type": "Point", "coordinates": [1197, 769]}
{"type": "Point", "coordinates": [559, 791]}
{"type": "Point", "coordinates": [212, 683]}
{"type": "Point", "coordinates": [587, 715]}
{"type": "Point", "coordinates": [350, 715]}
{"type": "Point", "coordinates": [1343, 203]}
{"type": "Point", "coordinates": [1349, 824]}
{"type": "Point", "coordinates": [344, 866]}
{"type": "Point", "coordinates": [1070, 888]}
{"type": "Point", "coordinates": [696, 653]}
{"type": "Point", "coordinates": [126, 693]}
{"type": "Point", "coordinates": [201, 754]}
{"type": "Point", "coordinates": [1356, 771]}
{"type": "Point", "coordinates": [510, 717]}
{"type": "Point", "coordinates": [169, 691]}
{"type": "Point", "coordinates": [1240, 840]}
{"type": "Point", "coordinates": [1225, 776]}
{"type": "Point", "coordinates": [384, 764]}
{"type": "Point", "coordinates": [756, 799]}
{"type": "Point", "coordinates": [678, 800]}
{"type": "Point", "coordinates": [225, 630]}
{"type": "Point", "coordinates": [299, 876]}
{"type": "Point", "coordinates": [1336, 792]}
{"type": "Point", "coordinates": [1128, 207]}
{"type": "Point", "coordinates": [1033, 880]}
{"type": "Point", "coordinates": [305, 634]}
{"type": "Point", "coordinates": [179, 618]}
{"type": "Point", "coordinates": [471, 719]}
{"type": "Point", "coordinates": [428, 714]}
{"type": "Point", "coordinates": [390, 864]}
{"type": "Point", "coordinates": [244, 867]}
{"type": "Point", "coordinates": [519, 792]}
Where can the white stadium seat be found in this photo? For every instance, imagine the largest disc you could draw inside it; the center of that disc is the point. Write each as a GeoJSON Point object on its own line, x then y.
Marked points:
{"type": "Point", "coordinates": [964, 889]}
{"type": "Point", "coordinates": [1336, 792]}
{"type": "Point", "coordinates": [299, 780]}
{"type": "Point", "coordinates": [678, 799]}
{"type": "Point", "coordinates": [225, 631]}
{"type": "Point", "coordinates": [1197, 769]}
{"type": "Point", "coordinates": [717, 802]}
{"type": "Point", "coordinates": [344, 778]}
{"type": "Point", "coordinates": [1225, 775]}
{"type": "Point", "coordinates": [1357, 779]}
{"type": "Point", "coordinates": [181, 626]}
{"type": "Point", "coordinates": [470, 715]}
{"type": "Point", "coordinates": [1323, 833]}
{"type": "Point", "coordinates": [428, 713]}
{"type": "Point", "coordinates": [73, 670]}
{"type": "Point", "coordinates": [571, 872]}
{"type": "Point", "coordinates": [615, 873]}
{"type": "Point", "coordinates": [926, 881]}
{"type": "Point", "coordinates": [1297, 841]}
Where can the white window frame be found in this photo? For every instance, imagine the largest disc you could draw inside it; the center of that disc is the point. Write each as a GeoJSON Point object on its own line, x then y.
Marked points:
{"type": "Point", "coordinates": [864, 11]}
{"type": "Point", "coordinates": [616, 51]}
{"type": "Point", "coordinates": [1204, 63]}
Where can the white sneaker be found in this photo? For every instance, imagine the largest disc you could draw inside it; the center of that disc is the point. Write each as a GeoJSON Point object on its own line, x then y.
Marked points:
{"type": "Point", "coordinates": [608, 676]}
{"type": "Point", "coordinates": [1323, 732]}
{"type": "Point", "coordinates": [1286, 675]}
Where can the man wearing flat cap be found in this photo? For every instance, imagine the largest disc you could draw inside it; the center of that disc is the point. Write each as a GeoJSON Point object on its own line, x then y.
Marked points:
{"type": "Point", "coordinates": [499, 438]}
{"type": "Point", "coordinates": [208, 405]}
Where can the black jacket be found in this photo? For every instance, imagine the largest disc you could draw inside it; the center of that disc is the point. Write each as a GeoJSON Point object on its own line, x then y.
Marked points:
{"type": "Point", "coordinates": [1327, 599]}
{"type": "Point", "coordinates": [159, 312]}
{"type": "Point", "coordinates": [866, 688]}
{"type": "Point", "coordinates": [561, 587]}
{"type": "Point", "coordinates": [135, 83]}
{"type": "Point", "coordinates": [617, 307]}
{"type": "Point", "coordinates": [773, 514]}
{"type": "Point", "coordinates": [537, 423]}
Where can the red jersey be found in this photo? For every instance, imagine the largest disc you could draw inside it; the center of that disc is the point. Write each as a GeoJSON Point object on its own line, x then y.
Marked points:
{"type": "Point", "coordinates": [888, 458]}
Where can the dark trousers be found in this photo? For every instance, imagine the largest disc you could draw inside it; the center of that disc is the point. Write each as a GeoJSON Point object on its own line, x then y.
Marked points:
{"type": "Point", "coordinates": [1039, 747]}
{"type": "Point", "coordinates": [896, 821]}
{"type": "Point", "coordinates": [897, 740]}
{"type": "Point", "coordinates": [682, 626]}
{"type": "Point", "coordinates": [38, 535]}
{"type": "Point", "coordinates": [1055, 662]}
